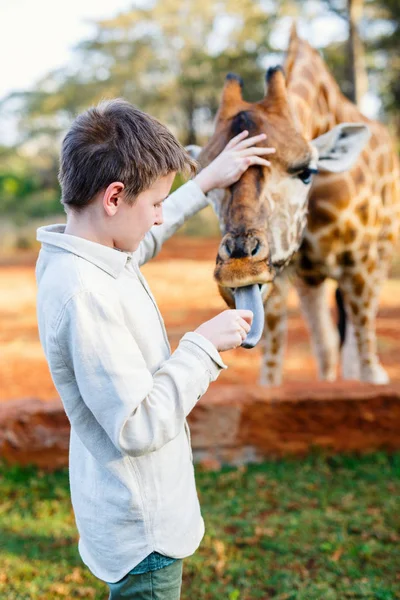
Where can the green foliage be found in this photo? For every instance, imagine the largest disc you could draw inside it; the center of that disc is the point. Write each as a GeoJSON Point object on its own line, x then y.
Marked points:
{"type": "Point", "coordinates": [23, 197]}
{"type": "Point", "coordinates": [286, 530]}
{"type": "Point", "coordinates": [28, 185]}
{"type": "Point", "coordinates": [386, 44]}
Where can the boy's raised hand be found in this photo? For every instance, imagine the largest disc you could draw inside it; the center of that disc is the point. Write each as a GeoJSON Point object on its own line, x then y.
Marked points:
{"type": "Point", "coordinates": [227, 330]}
{"type": "Point", "coordinates": [237, 156]}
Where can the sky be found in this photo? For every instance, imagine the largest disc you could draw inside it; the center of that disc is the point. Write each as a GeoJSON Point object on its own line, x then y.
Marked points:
{"type": "Point", "coordinates": [38, 35]}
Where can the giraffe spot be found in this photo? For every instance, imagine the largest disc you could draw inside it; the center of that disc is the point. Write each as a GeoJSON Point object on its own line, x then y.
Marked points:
{"type": "Point", "coordinates": [371, 266]}
{"type": "Point", "coordinates": [305, 263]}
{"type": "Point", "coordinates": [346, 259]}
{"type": "Point", "coordinates": [327, 241]}
{"type": "Point", "coordinates": [314, 281]}
{"type": "Point", "coordinates": [354, 308]}
{"type": "Point", "coordinates": [323, 217]}
{"type": "Point", "coordinates": [362, 212]}
{"type": "Point", "coordinates": [358, 284]}
{"type": "Point", "coordinates": [358, 175]}
{"type": "Point", "coordinates": [272, 321]}
{"type": "Point", "coordinates": [305, 246]}
{"type": "Point", "coordinates": [274, 346]}
{"type": "Point", "coordinates": [271, 364]}
{"type": "Point", "coordinates": [350, 233]}
{"type": "Point", "coordinates": [336, 193]}
{"type": "Point", "coordinates": [364, 320]}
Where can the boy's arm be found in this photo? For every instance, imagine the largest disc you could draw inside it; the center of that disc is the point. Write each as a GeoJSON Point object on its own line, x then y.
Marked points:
{"type": "Point", "coordinates": [139, 411]}
{"type": "Point", "coordinates": [177, 208]}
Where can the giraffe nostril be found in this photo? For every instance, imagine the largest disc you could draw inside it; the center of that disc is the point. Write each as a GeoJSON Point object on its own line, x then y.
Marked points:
{"type": "Point", "coordinates": [256, 248]}
{"type": "Point", "coordinates": [229, 246]}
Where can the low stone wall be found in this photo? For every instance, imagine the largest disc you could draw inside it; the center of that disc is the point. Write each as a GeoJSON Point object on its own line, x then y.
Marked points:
{"type": "Point", "coordinates": [234, 424]}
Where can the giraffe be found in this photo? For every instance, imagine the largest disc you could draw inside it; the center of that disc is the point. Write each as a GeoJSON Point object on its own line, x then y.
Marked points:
{"type": "Point", "coordinates": [327, 208]}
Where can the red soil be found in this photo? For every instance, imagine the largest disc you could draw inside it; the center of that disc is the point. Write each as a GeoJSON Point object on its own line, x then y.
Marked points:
{"type": "Point", "coordinates": [182, 282]}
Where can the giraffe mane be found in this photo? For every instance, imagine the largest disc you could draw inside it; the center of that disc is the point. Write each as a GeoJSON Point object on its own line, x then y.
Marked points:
{"type": "Point", "coordinates": [292, 50]}
{"type": "Point", "coordinates": [297, 49]}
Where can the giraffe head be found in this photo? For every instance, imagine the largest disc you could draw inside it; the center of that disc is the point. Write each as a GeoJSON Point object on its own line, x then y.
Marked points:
{"type": "Point", "coordinates": [262, 217]}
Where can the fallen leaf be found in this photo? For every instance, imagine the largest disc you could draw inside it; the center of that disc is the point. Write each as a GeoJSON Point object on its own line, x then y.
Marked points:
{"type": "Point", "coordinates": [60, 588]}
{"type": "Point", "coordinates": [85, 592]}
{"type": "Point", "coordinates": [75, 576]}
{"type": "Point", "coordinates": [337, 554]}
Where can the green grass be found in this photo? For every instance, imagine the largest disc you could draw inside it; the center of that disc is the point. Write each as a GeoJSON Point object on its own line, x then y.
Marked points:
{"type": "Point", "coordinates": [316, 529]}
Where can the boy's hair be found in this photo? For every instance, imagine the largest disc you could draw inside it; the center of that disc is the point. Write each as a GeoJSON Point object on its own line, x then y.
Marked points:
{"type": "Point", "coordinates": [115, 141]}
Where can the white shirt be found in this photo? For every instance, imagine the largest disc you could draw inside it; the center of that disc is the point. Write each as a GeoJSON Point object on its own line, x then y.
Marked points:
{"type": "Point", "coordinates": [126, 396]}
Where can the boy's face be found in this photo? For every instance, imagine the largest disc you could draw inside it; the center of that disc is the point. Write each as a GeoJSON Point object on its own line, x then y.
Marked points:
{"type": "Point", "coordinates": [131, 223]}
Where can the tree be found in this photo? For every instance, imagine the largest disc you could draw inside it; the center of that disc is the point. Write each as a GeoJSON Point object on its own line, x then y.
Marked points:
{"type": "Point", "coordinates": [356, 61]}
{"type": "Point", "coordinates": [385, 50]}
{"type": "Point", "coordinates": [169, 59]}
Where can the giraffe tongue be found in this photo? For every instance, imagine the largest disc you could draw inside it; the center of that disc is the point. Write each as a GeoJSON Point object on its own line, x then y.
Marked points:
{"type": "Point", "coordinates": [249, 298]}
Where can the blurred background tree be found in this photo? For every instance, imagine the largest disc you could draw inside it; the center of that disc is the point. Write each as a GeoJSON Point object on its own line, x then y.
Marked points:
{"type": "Point", "coordinates": [170, 59]}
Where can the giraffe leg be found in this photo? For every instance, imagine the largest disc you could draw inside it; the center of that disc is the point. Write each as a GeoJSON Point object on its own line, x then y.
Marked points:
{"type": "Point", "coordinates": [274, 335]}
{"type": "Point", "coordinates": [361, 299]}
{"type": "Point", "coordinates": [350, 359]}
{"type": "Point", "coordinates": [323, 332]}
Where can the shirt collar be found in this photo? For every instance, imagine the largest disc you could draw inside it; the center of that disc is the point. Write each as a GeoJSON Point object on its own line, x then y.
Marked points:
{"type": "Point", "coordinates": [110, 260]}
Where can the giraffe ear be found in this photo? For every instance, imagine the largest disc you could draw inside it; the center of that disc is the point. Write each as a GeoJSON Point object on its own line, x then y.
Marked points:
{"type": "Point", "coordinates": [340, 147]}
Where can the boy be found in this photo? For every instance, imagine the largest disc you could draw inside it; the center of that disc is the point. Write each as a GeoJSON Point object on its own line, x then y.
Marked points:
{"type": "Point", "coordinates": [127, 398]}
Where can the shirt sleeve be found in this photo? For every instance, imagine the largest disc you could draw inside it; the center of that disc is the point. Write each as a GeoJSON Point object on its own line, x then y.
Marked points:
{"type": "Point", "coordinates": [139, 411]}
{"type": "Point", "coordinates": [185, 202]}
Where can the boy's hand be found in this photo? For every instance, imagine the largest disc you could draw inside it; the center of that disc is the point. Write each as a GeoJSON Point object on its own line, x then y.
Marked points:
{"type": "Point", "coordinates": [227, 330]}
{"type": "Point", "coordinates": [237, 156]}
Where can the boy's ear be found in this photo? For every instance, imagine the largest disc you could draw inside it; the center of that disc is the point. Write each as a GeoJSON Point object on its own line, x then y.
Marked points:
{"type": "Point", "coordinates": [340, 147]}
{"type": "Point", "coordinates": [112, 197]}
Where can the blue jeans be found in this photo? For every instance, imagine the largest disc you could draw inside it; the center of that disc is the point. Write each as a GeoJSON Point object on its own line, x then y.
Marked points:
{"type": "Point", "coordinates": [157, 577]}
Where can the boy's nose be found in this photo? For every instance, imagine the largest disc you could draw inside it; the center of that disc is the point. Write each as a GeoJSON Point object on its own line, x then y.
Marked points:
{"type": "Point", "coordinates": [159, 218]}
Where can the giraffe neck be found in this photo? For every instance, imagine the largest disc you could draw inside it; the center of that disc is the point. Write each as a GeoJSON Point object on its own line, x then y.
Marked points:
{"type": "Point", "coordinates": [315, 98]}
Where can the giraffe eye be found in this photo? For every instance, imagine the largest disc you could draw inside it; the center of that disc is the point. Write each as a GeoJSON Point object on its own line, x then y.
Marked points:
{"type": "Point", "coordinates": [306, 175]}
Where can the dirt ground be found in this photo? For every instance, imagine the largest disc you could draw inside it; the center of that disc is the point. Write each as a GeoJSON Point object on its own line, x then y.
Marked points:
{"type": "Point", "coordinates": [181, 280]}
